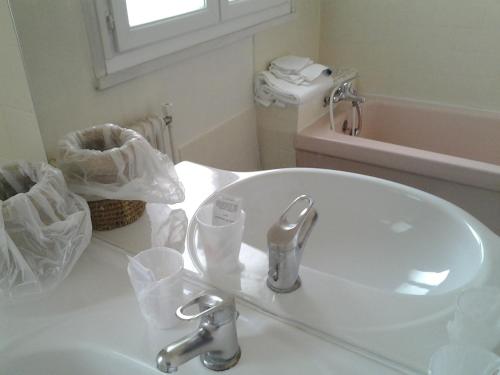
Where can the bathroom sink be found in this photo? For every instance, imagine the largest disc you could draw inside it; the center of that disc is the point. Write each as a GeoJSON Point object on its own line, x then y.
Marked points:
{"type": "Point", "coordinates": [82, 329]}
{"type": "Point", "coordinates": [382, 260]}
{"type": "Point", "coordinates": [371, 232]}
{"type": "Point", "coordinates": [353, 316]}
{"type": "Point", "coordinates": [73, 361]}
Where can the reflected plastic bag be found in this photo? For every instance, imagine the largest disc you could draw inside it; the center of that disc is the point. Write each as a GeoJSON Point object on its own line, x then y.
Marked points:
{"type": "Point", "coordinates": [168, 227]}
{"type": "Point", "coordinates": [44, 228]}
{"type": "Point", "coordinates": [111, 162]}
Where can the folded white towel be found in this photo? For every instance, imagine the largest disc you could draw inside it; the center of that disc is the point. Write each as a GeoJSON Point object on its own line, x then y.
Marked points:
{"type": "Point", "coordinates": [270, 90]}
{"type": "Point", "coordinates": [296, 79]}
{"type": "Point", "coordinates": [291, 64]}
{"type": "Point", "coordinates": [313, 71]}
{"type": "Point", "coordinates": [304, 77]}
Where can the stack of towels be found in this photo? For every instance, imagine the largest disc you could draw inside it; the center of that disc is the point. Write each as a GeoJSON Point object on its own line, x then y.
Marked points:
{"type": "Point", "coordinates": [292, 80]}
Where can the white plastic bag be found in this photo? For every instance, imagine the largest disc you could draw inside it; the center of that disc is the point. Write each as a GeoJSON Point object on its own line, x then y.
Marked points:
{"type": "Point", "coordinates": [168, 227]}
{"type": "Point", "coordinates": [156, 275]}
{"type": "Point", "coordinates": [44, 228]}
{"type": "Point", "coordinates": [111, 162]}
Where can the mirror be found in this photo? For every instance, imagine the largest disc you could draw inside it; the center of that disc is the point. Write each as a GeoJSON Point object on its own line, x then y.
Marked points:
{"type": "Point", "coordinates": [442, 51]}
{"type": "Point", "coordinates": [19, 133]}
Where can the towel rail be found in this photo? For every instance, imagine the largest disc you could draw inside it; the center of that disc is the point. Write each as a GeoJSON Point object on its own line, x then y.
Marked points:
{"type": "Point", "coordinates": [168, 119]}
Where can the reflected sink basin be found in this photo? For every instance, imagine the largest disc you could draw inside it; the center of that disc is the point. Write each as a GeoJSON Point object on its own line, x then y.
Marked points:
{"type": "Point", "coordinates": [74, 362]}
{"type": "Point", "coordinates": [384, 263]}
{"type": "Point", "coordinates": [371, 232]}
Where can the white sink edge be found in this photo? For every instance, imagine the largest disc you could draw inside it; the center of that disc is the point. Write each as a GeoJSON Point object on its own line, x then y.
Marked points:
{"type": "Point", "coordinates": [35, 339]}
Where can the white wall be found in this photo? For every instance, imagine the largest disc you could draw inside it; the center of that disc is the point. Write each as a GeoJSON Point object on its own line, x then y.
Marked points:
{"type": "Point", "coordinates": [299, 37]}
{"type": "Point", "coordinates": [443, 50]}
{"type": "Point", "coordinates": [212, 94]}
{"type": "Point", "coordinates": [438, 50]}
{"type": "Point", "coordinates": [206, 91]}
{"type": "Point", "coordinates": [19, 134]}
{"type": "Point", "coordinates": [276, 126]}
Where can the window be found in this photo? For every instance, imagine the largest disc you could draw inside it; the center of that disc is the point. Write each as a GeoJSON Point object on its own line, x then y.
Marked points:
{"type": "Point", "coordinates": [140, 22]}
{"type": "Point", "coordinates": [141, 12]}
{"type": "Point", "coordinates": [130, 37]}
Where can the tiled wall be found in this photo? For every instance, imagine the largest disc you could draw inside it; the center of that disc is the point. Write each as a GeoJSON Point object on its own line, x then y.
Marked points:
{"type": "Point", "coordinates": [223, 147]}
{"type": "Point", "coordinates": [205, 91]}
{"type": "Point", "coordinates": [276, 126]}
{"type": "Point", "coordinates": [439, 50]}
{"type": "Point", "coordinates": [300, 36]}
{"type": "Point", "coordinates": [19, 133]}
{"type": "Point", "coordinates": [208, 91]}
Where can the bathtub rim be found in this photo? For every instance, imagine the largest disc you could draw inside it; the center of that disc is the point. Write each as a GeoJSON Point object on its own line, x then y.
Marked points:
{"type": "Point", "coordinates": [318, 138]}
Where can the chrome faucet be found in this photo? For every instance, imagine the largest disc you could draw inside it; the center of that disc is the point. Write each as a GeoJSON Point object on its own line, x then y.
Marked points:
{"type": "Point", "coordinates": [286, 241]}
{"type": "Point", "coordinates": [345, 92]}
{"type": "Point", "coordinates": [215, 340]}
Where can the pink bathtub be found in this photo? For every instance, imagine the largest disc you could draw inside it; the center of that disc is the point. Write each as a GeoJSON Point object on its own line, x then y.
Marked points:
{"type": "Point", "coordinates": [449, 152]}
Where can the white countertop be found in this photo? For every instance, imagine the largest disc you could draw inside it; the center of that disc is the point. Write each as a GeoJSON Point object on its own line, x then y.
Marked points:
{"type": "Point", "coordinates": [199, 182]}
{"type": "Point", "coordinates": [95, 308]}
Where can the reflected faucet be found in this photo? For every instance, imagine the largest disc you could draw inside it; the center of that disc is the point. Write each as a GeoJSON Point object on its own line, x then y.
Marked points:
{"type": "Point", "coordinates": [345, 91]}
{"type": "Point", "coordinates": [215, 340]}
{"type": "Point", "coordinates": [286, 241]}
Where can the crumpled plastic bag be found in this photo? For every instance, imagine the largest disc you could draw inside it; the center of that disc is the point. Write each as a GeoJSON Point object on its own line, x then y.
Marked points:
{"type": "Point", "coordinates": [44, 228]}
{"type": "Point", "coordinates": [168, 227]}
{"type": "Point", "coordinates": [111, 162]}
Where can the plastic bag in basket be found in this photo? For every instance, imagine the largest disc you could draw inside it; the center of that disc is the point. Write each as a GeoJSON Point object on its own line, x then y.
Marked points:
{"type": "Point", "coordinates": [44, 228]}
{"type": "Point", "coordinates": [111, 162]}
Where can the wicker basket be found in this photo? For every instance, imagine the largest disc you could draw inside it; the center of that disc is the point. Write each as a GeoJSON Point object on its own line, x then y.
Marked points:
{"type": "Point", "coordinates": [110, 214]}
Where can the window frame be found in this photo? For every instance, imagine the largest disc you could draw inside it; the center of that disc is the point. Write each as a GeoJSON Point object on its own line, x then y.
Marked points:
{"type": "Point", "coordinates": [112, 67]}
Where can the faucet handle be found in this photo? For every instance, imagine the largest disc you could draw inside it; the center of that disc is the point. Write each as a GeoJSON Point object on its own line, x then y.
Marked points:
{"type": "Point", "coordinates": [302, 215]}
{"type": "Point", "coordinates": [210, 303]}
{"type": "Point", "coordinates": [291, 230]}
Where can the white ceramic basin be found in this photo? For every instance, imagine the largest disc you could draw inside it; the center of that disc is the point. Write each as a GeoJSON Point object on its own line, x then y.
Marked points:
{"type": "Point", "coordinates": [91, 325]}
{"type": "Point", "coordinates": [382, 261]}
{"type": "Point", "coordinates": [370, 231]}
{"type": "Point", "coordinates": [75, 362]}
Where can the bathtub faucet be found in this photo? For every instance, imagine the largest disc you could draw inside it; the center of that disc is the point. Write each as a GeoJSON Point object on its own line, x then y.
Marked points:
{"type": "Point", "coordinates": [346, 92]}
{"type": "Point", "coordinates": [215, 341]}
{"type": "Point", "coordinates": [286, 241]}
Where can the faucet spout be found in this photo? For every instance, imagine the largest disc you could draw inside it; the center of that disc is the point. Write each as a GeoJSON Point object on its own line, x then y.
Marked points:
{"type": "Point", "coordinates": [286, 241]}
{"type": "Point", "coordinates": [215, 341]}
{"type": "Point", "coordinates": [185, 349]}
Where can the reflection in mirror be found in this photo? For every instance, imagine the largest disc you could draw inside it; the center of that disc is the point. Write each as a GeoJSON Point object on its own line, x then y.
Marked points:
{"type": "Point", "coordinates": [19, 134]}
{"type": "Point", "coordinates": [442, 52]}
